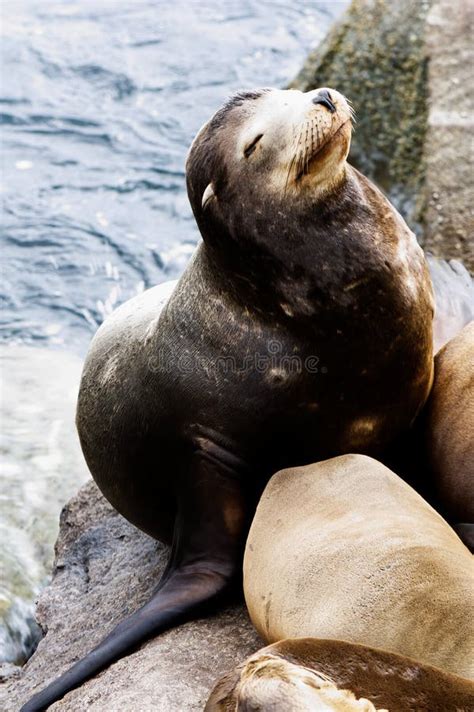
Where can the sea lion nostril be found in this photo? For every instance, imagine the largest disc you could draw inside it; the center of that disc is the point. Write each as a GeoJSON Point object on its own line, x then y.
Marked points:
{"type": "Point", "coordinates": [325, 94]}
{"type": "Point", "coordinates": [324, 97]}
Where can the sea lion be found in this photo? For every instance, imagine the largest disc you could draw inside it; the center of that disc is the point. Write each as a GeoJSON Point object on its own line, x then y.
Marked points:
{"type": "Point", "coordinates": [345, 549]}
{"type": "Point", "coordinates": [436, 454]}
{"type": "Point", "coordinates": [301, 329]}
{"type": "Point", "coordinates": [310, 674]}
{"type": "Point", "coordinates": [448, 421]}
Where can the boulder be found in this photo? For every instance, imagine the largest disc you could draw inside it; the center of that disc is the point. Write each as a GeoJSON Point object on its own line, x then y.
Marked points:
{"type": "Point", "coordinates": [104, 569]}
{"type": "Point", "coordinates": [407, 68]}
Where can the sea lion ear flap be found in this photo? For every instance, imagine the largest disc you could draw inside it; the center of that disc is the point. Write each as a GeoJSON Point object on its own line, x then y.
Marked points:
{"type": "Point", "coordinates": [207, 196]}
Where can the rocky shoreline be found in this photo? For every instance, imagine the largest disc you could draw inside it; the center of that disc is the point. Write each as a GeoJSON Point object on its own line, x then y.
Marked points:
{"type": "Point", "coordinates": [104, 569]}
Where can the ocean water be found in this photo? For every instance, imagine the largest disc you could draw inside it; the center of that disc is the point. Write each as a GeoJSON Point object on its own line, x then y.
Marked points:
{"type": "Point", "coordinates": [99, 104]}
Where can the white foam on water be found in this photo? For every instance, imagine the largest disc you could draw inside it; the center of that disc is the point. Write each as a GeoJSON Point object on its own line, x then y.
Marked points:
{"type": "Point", "coordinates": [41, 466]}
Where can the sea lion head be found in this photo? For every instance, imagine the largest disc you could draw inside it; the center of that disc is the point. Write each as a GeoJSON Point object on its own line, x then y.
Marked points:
{"type": "Point", "coordinates": [270, 682]}
{"type": "Point", "coordinates": [278, 148]}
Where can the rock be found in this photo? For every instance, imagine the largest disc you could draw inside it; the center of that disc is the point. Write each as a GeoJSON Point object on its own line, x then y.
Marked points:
{"type": "Point", "coordinates": [104, 569]}
{"type": "Point", "coordinates": [355, 554]}
{"type": "Point", "coordinates": [449, 187]}
{"type": "Point", "coordinates": [406, 66]}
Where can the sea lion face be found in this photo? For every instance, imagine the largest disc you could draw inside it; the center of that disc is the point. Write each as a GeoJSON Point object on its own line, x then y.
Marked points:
{"type": "Point", "coordinates": [295, 140]}
{"type": "Point", "coordinates": [270, 682]}
{"type": "Point", "coordinates": [279, 145]}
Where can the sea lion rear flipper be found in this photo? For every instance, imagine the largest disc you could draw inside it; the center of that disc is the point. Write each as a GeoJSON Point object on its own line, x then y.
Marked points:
{"type": "Point", "coordinates": [205, 560]}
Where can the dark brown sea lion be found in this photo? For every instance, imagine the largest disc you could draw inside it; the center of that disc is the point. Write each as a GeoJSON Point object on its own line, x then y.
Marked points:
{"type": "Point", "coordinates": [301, 329]}
{"type": "Point", "coordinates": [309, 674]}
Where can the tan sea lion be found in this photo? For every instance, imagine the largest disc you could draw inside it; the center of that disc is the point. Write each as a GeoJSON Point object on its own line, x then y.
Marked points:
{"type": "Point", "coordinates": [301, 329]}
{"type": "Point", "coordinates": [345, 549]}
{"type": "Point", "coordinates": [449, 427]}
{"type": "Point", "coordinates": [310, 675]}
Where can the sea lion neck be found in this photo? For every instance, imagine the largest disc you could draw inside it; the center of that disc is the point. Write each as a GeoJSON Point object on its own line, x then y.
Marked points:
{"type": "Point", "coordinates": [292, 253]}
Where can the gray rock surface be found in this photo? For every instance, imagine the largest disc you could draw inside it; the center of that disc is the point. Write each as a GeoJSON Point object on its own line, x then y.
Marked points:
{"type": "Point", "coordinates": [449, 154]}
{"type": "Point", "coordinates": [407, 68]}
{"type": "Point", "coordinates": [104, 569]}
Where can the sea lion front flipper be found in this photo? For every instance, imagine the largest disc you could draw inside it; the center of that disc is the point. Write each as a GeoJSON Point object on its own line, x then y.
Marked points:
{"type": "Point", "coordinates": [205, 561]}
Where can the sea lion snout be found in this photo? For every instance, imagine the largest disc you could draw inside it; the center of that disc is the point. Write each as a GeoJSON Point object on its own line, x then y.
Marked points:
{"type": "Point", "coordinates": [332, 100]}
{"type": "Point", "coordinates": [324, 97]}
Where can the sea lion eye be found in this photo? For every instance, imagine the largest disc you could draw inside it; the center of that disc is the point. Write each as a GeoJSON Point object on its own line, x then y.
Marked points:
{"type": "Point", "coordinates": [252, 146]}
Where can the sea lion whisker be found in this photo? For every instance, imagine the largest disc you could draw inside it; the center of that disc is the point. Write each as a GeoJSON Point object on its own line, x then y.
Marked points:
{"type": "Point", "coordinates": [289, 170]}
{"type": "Point", "coordinates": [297, 154]}
{"type": "Point", "coordinates": [299, 168]}
{"type": "Point", "coordinates": [297, 139]}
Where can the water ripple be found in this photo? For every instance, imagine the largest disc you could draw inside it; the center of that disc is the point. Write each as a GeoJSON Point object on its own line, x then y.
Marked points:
{"type": "Point", "coordinates": [99, 109]}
